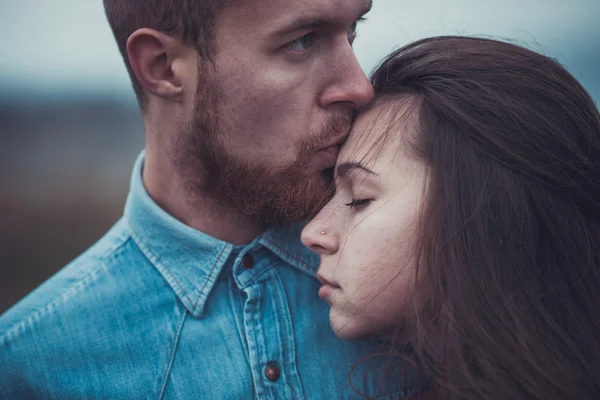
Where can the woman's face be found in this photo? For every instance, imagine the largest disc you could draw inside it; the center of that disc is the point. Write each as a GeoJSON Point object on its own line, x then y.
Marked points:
{"type": "Point", "coordinates": [366, 234]}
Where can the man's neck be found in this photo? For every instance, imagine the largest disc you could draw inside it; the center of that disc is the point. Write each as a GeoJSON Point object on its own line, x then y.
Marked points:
{"type": "Point", "coordinates": [166, 187]}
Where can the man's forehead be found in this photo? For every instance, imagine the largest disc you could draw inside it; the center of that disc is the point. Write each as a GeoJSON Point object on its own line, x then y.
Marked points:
{"type": "Point", "coordinates": [279, 15]}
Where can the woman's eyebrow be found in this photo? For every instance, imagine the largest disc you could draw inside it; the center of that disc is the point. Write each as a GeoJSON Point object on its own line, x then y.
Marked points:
{"type": "Point", "coordinates": [344, 169]}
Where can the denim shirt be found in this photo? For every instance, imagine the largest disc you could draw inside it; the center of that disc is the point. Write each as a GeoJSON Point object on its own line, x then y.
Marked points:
{"type": "Point", "coordinates": [158, 310]}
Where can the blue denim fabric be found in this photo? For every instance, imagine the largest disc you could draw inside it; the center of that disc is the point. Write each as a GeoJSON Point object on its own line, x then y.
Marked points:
{"type": "Point", "coordinates": [158, 310]}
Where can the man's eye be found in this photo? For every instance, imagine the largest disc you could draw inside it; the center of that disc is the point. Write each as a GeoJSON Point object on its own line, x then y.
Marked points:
{"type": "Point", "coordinates": [353, 28]}
{"type": "Point", "coordinates": [358, 204]}
{"type": "Point", "coordinates": [302, 44]}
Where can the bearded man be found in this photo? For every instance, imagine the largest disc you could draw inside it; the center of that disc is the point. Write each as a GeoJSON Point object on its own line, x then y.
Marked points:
{"type": "Point", "coordinates": [202, 289]}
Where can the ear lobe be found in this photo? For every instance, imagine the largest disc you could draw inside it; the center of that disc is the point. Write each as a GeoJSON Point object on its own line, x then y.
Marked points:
{"type": "Point", "coordinates": [150, 55]}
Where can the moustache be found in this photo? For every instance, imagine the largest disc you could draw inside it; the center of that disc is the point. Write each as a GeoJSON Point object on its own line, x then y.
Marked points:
{"type": "Point", "coordinates": [337, 125]}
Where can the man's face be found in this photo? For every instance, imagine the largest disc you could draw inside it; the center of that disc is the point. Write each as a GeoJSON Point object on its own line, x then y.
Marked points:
{"type": "Point", "coordinates": [275, 104]}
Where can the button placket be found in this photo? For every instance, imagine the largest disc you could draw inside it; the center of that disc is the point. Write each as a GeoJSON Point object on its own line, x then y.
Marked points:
{"type": "Point", "coordinates": [272, 372]}
{"type": "Point", "coordinates": [248, 261]}
{"type": "Point", "coordinates": [267, 341]}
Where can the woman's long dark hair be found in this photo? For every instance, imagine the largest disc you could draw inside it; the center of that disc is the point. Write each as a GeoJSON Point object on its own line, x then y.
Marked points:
{"type": "Point", "coordinates": [511, 226]}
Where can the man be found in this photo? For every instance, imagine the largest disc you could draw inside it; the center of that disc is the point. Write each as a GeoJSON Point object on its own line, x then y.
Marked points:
{"type": "Point", "coordinates": [202, 290]}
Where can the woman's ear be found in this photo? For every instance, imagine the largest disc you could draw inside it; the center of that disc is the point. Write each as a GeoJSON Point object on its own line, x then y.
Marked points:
{"type": "Point", "coordinates": [152, 54]}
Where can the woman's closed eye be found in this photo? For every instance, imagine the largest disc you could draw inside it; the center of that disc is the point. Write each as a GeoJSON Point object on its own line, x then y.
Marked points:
{"type": "Point", "coordinates": [358, 204]}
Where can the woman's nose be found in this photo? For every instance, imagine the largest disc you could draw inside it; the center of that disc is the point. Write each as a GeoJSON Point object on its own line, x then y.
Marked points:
{"type": "Point", "coordinates": [319, 238]}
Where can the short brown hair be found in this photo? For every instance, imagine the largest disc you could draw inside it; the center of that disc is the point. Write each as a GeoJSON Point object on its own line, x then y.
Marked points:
{"type": "Point", "coordinates": [191, 21]}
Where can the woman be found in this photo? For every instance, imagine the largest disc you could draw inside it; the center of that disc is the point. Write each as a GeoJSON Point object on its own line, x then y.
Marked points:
{"type": "Point", "coordinates": [466, 222]}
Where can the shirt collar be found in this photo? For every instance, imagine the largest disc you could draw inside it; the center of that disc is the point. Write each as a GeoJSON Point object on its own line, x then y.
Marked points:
{"type": "Point", "coordinates": [189, 260]}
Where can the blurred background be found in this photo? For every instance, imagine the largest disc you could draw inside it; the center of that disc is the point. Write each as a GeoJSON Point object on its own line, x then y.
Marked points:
{"type": "Point", "coordinates": [70, 128]}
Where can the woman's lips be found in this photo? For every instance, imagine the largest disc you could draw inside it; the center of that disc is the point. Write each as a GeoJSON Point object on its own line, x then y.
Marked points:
{"type": "Point", "coordinates": [328, 287]}
{"type": "Point", "coordinates": [326, 291]}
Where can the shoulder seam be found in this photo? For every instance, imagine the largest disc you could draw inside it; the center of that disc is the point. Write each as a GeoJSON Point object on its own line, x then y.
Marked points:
{"type": "Point", "coordinates": [173, 354]}
{"type": "Point", "coordinates": [35, 315]}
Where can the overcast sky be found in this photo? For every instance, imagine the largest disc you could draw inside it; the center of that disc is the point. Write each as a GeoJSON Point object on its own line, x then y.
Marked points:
{"type": "Point", "coordinates": [66, 45]}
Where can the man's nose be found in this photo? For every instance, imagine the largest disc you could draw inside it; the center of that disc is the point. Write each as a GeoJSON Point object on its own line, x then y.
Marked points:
{"type": "Point", "coordinates": [351, 84]}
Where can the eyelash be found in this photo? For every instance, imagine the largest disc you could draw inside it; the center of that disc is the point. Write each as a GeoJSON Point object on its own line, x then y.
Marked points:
{"type": "Point", "coordinates": [354, 28]}
{"type": "Point", "coordinates": [358, 204]}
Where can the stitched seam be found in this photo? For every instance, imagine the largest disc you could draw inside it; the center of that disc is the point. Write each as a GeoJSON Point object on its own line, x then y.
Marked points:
{"type": "Point", "coordinates": [153, 259]}
{"type": "Point", "coordinates": [67, 293]}
{"type": "Point", "coordinates": [289, 349]}
{"type": "Point", "coordinates": [301, 264]}
{"type": "Point", "coordinates": [281, 249]}
{"type": "Point", "coordinates": [239, 320]}
{"type": "Point", "coordinates": [212, 270]}
{"type": "Point", "coordinates": [173, 354]}
{"type": "Point", "coordinates": [252, 326]}
{"type": "Point", "coordinates": [265, 270]}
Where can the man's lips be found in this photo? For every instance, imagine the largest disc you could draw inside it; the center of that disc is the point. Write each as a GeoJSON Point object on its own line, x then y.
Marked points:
{"type": "Point", "coordinates": [328, 154]}
{"type": "Point", "coordinates": [336, 142]}
{"type": "Point", "coordinates": [327, 157]}
{"type": "Point", "coordinates": [332, 151]}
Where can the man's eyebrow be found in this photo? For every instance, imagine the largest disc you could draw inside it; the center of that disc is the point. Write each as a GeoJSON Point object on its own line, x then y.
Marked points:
{"type": "Point", "coordinates": [305, 22]}
{"type": "Point", "coordinates": [344, 169]}
{"type": "Point", "coordinates": [309, 22]}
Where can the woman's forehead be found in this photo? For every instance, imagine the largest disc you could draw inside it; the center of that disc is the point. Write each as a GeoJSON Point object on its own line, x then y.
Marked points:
{"type": "Point", "coordinates": [385, 125]}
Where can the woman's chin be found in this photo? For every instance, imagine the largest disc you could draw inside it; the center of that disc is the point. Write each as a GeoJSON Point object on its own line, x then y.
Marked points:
{"type": "Point", "coordinates": [350, 329]}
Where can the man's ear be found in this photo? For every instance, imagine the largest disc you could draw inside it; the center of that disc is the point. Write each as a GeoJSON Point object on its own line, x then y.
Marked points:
{"type": "Point", "coordinates": [152, 54]}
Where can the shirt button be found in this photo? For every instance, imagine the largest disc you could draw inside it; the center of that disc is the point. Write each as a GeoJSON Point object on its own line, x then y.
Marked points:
{"type": "Point", "coordinates": [272, 372]}
{"type": "Point", "coordinates": [248, 261]}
